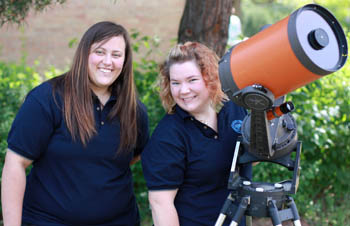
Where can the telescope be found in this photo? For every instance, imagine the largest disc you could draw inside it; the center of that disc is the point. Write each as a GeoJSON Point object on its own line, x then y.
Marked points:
{"type": "Point", "coordinates": [257, 74]}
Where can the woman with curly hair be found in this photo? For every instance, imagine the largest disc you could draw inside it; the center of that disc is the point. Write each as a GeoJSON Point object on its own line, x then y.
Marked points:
{"type": "Point", "coordinates": [187, 161]}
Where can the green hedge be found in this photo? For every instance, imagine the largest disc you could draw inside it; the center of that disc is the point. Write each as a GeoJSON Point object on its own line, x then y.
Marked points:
{"type": "Point", "coordinates": [15, 82]}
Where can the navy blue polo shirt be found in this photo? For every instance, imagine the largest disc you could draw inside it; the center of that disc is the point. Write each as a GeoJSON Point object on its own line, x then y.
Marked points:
{"type": "Point", "coordinates": [70, 184]}
{"type": "Point", "coordinates": [184, 153]}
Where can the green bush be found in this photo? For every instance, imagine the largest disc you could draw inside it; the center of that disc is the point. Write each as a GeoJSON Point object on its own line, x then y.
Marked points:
{"type": "Point", "coordinates": [15, 82]}
{"type": "Point", "coordinates": [146, 72]}
{"type": "Point", "coordinates": [324, 127]}
{"type": "Point", "coordinates": [257, 15]}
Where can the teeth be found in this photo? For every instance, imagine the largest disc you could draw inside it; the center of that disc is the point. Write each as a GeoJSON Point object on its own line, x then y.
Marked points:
{"type": "Point", "coordinates": [188, 98]}
{"type": "Point", "coordinates": [105, 70]}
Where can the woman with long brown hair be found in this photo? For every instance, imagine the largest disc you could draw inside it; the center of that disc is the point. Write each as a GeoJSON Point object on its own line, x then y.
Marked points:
{"type": "Point", "coordinates": [80, 131]}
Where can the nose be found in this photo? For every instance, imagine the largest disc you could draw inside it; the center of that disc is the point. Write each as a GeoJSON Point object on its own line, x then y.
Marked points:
{"type": "Point", "coordinates": [184, 88]}
{"type": "Point", "coordinates": [107, 60]}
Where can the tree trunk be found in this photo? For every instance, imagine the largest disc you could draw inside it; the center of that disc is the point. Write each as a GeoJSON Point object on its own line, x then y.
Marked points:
{"type": "Point", "coordinates": [206, 21]}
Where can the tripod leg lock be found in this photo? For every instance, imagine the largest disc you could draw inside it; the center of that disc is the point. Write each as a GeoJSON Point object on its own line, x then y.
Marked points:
{"type": "Point", "coordinates": [294, 209]}
{"type": "Point", "coordinates": [243, 205]}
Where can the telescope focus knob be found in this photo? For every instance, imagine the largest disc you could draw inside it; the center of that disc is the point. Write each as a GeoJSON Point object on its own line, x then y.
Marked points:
{"type": "Point", "coordinates": [318, 38]}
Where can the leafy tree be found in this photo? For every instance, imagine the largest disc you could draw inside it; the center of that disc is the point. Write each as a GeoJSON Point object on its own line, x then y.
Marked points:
{"type": "Point", "coordinates": [255, 15]}
{"type": "Point", "coordinates": [16, 11]}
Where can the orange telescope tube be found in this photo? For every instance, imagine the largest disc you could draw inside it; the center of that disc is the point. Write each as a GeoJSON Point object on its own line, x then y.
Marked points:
{"type": "Point", "coordinates": [297, 50]}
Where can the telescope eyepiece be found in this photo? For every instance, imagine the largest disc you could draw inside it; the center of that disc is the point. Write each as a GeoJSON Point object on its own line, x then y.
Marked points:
{"type": "Point", "coordinates": [318, 38]}
{"type": "Point", "coordinates": [277, 112]}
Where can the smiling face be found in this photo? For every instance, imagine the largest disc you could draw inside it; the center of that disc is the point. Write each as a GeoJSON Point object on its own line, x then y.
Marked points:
{"type": "Point", "coordinates": [188, 88]}
{"type": "Point", "coordinates": [106, 61]}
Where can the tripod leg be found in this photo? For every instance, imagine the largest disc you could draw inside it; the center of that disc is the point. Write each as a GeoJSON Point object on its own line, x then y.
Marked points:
{"type": "Point", "coordinates": [224, 210]}
{"type": "Point", "coordinates": [240, 211]}
{"type": "Point", "coordinates": [294, 209]}
{"type": "Point", "coordinates": [274, 213]}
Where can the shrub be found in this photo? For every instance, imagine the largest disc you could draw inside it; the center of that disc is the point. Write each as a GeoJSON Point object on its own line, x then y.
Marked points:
{"type": "Point", "coordinates": [146, 72]}
{"type": "Point", "coordinates": [15, 83]}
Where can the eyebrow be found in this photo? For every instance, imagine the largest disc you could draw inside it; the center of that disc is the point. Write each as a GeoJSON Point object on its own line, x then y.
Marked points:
{"type": "Point", "coordinates": [100, 47]}
{"type": "Point", "coordinates": [189, 77]}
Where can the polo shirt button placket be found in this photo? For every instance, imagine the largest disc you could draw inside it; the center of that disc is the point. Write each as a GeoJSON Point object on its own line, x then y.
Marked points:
{"type": "Point", "coordinates": [98, 108]}
{"type": "Point", "coordinates": [102, 123]}
{"type": "Point", "coordinates": [216, 137]}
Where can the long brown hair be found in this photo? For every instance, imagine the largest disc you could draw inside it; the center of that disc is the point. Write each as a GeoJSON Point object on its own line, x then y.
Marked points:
{"type": "Point", "coordinates": [207, 61]}
{"type": "Point", "coordinates": [77, 95]}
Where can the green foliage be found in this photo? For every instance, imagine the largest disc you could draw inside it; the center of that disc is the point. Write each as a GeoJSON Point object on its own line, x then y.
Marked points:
{"type": "Point", "coordinates": [16, 11]}
{"type": "Point", "coordinates": [146, 72]}
{"type": "Point", "coordinates": [257, 15]}
{"type": "Point", "coordinates": [262, 12]}
{"type": "Point", "coordinates": [339, 8]}
{"type": "Point", "coordinates": [324, 127]}
{"type": "Point", "coordinates": [15, 83]}
{"type": "Point", "coordinates": [73, 42]}
{"type": "Point", "coordinates": [16, 80]}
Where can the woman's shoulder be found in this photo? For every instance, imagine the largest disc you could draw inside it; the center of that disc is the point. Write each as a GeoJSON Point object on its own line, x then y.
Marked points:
{"type": "Point", "coordinates": [45, 93]}
{"type": "Point", "coordinates": [44, 88]}
{"type": "Point", "coordinates": [170, 125]}
{"type": "Point", "coordinates": [41, 93]}
{"type": "Point", "coordinates": [168, 137]}
{"type": "Point", "coordinates": [48, 86]}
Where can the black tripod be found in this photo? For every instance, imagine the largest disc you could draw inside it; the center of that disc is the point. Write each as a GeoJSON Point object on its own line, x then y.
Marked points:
{"type": "Point", "coordinates": [260, 199]}
{"type": "Point", "coordinates": [269, 134]}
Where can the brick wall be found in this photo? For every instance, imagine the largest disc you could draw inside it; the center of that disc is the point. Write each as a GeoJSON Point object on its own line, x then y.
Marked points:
{"type": "Point", "coordinates": [45, 35]}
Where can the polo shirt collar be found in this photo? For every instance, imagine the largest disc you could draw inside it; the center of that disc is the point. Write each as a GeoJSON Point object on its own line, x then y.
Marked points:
{"type": "Point", "coordinates": [182, 113]}
{"type": "Point", "coordinates": [97, 101]}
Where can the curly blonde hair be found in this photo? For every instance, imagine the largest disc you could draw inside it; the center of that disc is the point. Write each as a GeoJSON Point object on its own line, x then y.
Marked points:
{"type": "Point", "coordinates": [207, 61]}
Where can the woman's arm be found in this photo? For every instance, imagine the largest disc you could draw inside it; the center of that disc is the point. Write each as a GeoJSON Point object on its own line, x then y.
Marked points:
{"type": "Point", "coordinates": [163, 209]}
{"type": "Point", "coordinates": [12, 187]}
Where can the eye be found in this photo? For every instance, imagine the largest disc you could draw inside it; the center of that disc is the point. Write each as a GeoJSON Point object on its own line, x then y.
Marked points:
{"type": "Point", "coordinates": [174, 83]}
{"type": "Point", "coordinates": [99, 52]}
{"type": "Point", "coordinates": [193, 79]}
{"type": "Point", "coordinates": [116, 55]}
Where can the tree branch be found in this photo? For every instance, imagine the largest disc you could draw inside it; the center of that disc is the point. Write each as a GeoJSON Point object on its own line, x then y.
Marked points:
{"type": "Point", "coordinates": [15, 11]}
